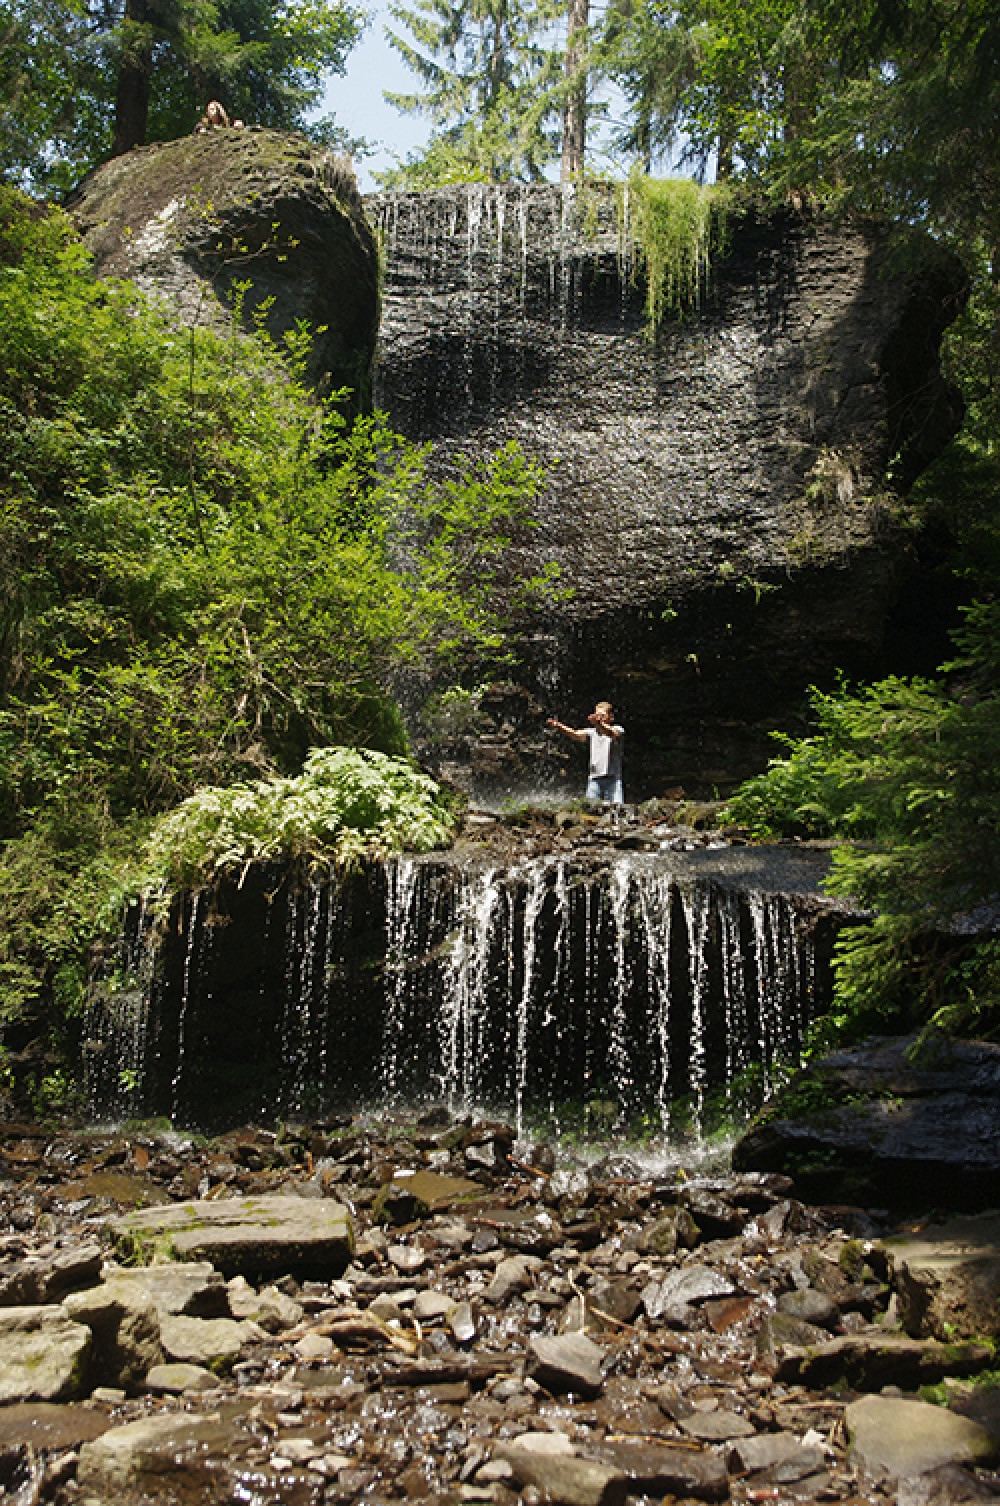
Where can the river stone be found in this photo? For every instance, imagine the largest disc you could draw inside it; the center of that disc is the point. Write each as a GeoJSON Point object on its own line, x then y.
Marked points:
{"type": "Point", "coordinates": [514, 1274]}
{"type": "Point", "coordinates": [543, 1443]}
{"type": "Point", "coordinates": [809, 1306]}
{"type": "Point", "coordinates": [948, 1485]}
{"type": "Point", "coordinates": [868, 1362]}
{"type": "Point", "coordinates": [31, 1283]}
{"type": "Point", "coordinates": [176, 1378]}
{"type": "Point", "coordinates": [247, 1236]}
{"type": "Point", "coordinates": [948, 1278]}
{"type": "Point", "coordinates": [126, 1331]}
{"type": "Point", "coordinates": [696, 1283]}
{"type": "Point", "coordinates": [49, 1426]}
{"type": "Point", "coordinates": [43, 1354]}
{"type": "Point", "coordinates": [892, 1437]}
{"type": "Point", "coordinates": [752, 1455]}
{"type": "Point", "coordinates": [665, 1472]}
{"type": "Point", "coordinates": [271, 1309]}
{"type": "Point", "coordinates": [145, 1454]}
{"type": "Point", "coordinates": [779, 1331]}
{"type": "Point", "coordinates": [212, 1342]}
{"type": "Point", "coordinates": [716, 1427]}
{"type": "Point", "coordinates": [568, 1362]}
{"type": "Point", "coordinates": [192, 1290]}
{"type": "Point", "coordinates": [665, 1235]}
{"type": "Point", "coordinates": [566, 1480]}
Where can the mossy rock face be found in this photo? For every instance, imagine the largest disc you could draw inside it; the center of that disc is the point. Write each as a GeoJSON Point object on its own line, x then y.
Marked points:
{"type": "Point", "coordinates": [192, 219]}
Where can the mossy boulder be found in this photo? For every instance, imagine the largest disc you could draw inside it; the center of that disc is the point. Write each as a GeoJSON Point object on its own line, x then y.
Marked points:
{"type": "Point", "coordinates": [192, 220]}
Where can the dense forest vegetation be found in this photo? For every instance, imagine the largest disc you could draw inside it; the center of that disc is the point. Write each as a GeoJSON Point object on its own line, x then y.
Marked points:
{"type": "Point", "coordinates": [198, 584]}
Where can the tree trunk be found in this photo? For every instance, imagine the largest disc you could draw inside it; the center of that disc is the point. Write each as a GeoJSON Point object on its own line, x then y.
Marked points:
{"type": "Point", "coordinates": [574, 138]}
{"type": "Point", "coordinates": [135, 69]}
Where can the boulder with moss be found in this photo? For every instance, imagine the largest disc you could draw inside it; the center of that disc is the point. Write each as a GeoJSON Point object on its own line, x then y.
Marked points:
{"type": "Point", "coordinates": [258, 221]}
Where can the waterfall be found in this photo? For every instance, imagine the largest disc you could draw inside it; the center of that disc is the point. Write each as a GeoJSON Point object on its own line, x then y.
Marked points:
{"type": "Point", "coordinates": [635, 987]}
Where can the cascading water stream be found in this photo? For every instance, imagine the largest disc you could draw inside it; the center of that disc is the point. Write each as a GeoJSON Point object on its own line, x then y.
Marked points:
{"type": "Point", "coordinates": [629, 983]}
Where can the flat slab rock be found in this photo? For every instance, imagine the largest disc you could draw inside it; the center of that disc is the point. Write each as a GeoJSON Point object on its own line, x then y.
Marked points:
{"type": "Point", "coordinates": [912, 1131]}
{"type": "Point", "coordinates": [246, 1236]}
{"type": "Point", "coordinates": [43, 1354]}
{"type": "Point", "coordinates": [948, 1277]}
{"type": "Point", "coordinates": [867, 1363]}
{"type": "Point", "coordinates": [893, 1438]}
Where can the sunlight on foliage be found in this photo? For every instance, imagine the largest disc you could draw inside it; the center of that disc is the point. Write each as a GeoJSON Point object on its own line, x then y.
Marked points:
{"type": "Point", "coordinates": [678, 226]}
{"type": "Point", "coordinates": [346, 803]}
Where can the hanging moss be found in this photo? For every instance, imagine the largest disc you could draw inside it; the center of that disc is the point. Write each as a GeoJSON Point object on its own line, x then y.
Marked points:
{"type": "Point", "coordinates": [676, 226]}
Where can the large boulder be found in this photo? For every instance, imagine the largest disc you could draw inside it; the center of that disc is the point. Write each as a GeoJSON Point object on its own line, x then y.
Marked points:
{"type": "Point", "coordinates": [880, 1126]}
{"type": "Point", "coordinates": [189, 220]}
{"type": "Point", "coordinates": [717, 499]}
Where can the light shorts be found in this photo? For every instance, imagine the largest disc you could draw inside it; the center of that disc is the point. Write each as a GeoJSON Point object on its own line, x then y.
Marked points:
{"type": "Point", "coordinates": [608, 788]}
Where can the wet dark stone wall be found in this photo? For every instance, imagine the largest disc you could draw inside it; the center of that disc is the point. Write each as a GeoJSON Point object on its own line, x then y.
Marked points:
{"type": "Point", "coordinates": [719, 499]}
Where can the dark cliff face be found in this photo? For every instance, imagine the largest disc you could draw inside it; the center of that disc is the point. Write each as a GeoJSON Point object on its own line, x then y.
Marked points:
{"type": "Point", "coordinates": [720, 499]}
{"type": "Point", "coordinates": [191, 219]}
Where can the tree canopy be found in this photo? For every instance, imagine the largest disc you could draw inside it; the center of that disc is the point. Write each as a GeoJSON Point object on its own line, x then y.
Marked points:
{"type": "Point", "coordinates": [81, 78]}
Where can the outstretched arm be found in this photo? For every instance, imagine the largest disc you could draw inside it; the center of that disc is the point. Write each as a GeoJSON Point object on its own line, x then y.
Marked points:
{"type": "Point", "coordinates": [578, 735]}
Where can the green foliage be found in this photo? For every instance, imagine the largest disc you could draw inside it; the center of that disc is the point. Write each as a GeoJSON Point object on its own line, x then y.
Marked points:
{"type": "Point", "coordinates": [915, 767]}
{"type": "Point", "coordinates": [346, 803]}
{"type": "Point", "coordinates": [62, 62]}
{"type": "Point", "coordinates": [207, 574]}
{"type": "Point", "coordinates": [678, 226]}
{"type": "Point", "coordinates": [490, 83]}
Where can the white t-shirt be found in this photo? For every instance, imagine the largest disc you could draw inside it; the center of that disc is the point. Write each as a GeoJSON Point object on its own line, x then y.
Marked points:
{"type": "Point", "coordinates": [605, 753]}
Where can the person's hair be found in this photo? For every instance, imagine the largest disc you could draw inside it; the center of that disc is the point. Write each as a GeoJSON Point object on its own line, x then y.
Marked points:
{"type": "Point", "coordinates": [604, 706]}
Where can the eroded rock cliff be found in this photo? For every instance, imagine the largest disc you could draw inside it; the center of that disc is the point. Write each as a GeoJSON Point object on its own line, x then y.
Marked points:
{"type": "Point", "coordinates": [720, 500]}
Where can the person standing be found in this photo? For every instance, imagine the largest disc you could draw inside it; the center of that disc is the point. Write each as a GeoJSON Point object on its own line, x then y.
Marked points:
{"type": "Point", "coordinates": [605, 738]}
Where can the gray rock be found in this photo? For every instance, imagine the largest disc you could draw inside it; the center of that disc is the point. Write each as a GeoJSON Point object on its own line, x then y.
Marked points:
{"type": "Point", "coordinates": [948, 1485]}
{"type": "Point", "coordinates": [566, 1480]}
{"type": "Point", "coordinates": [247, 1236]}
{"type": "Point", "coordinates": [751, 1455]}
{"type": "Point", "coordinates": [778, 1332]}
{"type": "Point", "coordinates": [126, 1332]}
{"type": "Point", "coordinates": [29, 1283]}
{"type": "Point", "coordinates": [211, 1342]}
{"type": "Point", "coordinates": [144, 1453]}
{"type": "Point", "coordinates": [174, 1379]}
{"type": "Point", "coordinates": [716, 1427]}
{"type": "Point", "coordinates": [890, 1437]}
{"type": "Point", "coordinates": [696, 1283]}
{"type": "Point", "coordinates": [809, 1307]}
{"type": "Point", "coordinates": [43, 1355]}
{"type": "Point", "coordinates": [269, 1309]}
{"type": "Point", "coordinates": [462, 1323]}
{"type": "Point", "coordinates": [513, 1275]}
{"type": "Point", "coordinates": [566, 1362]}
{"type": "Point", "coordinates": [813, 380]}
{"type": "Point", "coordinates": [948, 1278]}
{"type": "Point", "coordinates": [903, 1131]}
{"type": "Point", "coordinates": [661, 1472]}
{"type": "Point", "coordinates": [675, 1230]}
{"type": "Point", "coordinates": [193, 1290]}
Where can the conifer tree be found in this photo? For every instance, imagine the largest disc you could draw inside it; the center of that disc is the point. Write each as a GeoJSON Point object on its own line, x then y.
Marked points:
{"type": "Point", "coordinates": [492, 83]}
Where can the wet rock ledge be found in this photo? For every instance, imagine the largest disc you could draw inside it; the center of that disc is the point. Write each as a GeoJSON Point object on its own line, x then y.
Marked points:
{"type": "Point", "coordinates": [431, 1309]}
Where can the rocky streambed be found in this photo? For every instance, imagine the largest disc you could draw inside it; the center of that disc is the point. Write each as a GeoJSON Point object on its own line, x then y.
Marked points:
{"type": "Point", "coordinates": [433, 1310]}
